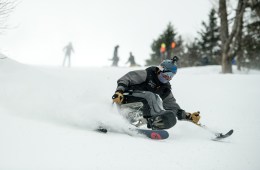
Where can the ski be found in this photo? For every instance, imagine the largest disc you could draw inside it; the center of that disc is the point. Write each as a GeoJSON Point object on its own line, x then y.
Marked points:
{"type": "Point", "coordinates": [152, 134]}
{"type": "Point", "coordinates": [101, 129]}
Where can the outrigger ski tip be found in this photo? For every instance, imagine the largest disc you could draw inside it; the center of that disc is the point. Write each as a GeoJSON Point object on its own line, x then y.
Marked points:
{"type": "Point", "coordinates": [220, 136]}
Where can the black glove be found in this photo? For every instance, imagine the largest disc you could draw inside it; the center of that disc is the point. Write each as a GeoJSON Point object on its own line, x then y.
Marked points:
{"type": "Point", "coordinates": [118, 97]}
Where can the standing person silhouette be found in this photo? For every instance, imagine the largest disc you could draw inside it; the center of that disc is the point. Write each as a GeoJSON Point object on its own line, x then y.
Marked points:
{"type": "Point", "coordinates": [131, 60]}
{"type": "Point", "coordinates": [68, 49]}
{"type": "Point", "coordinates": [115, 58]}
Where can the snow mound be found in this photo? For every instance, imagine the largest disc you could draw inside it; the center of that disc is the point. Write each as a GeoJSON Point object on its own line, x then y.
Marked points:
{"type": "Point", "coordinates": [7, 64]}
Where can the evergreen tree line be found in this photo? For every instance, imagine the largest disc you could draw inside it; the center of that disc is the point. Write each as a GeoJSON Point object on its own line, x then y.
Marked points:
{"type": "Point", "coordinates": [207, 47]}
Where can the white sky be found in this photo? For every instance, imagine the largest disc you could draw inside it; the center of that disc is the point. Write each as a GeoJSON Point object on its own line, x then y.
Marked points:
{"type": "Point", "coordinates": [41, 28]}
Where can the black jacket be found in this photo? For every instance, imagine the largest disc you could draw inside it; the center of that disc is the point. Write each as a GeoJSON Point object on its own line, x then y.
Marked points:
{"type": "Point", "coordinates": [147, 80]}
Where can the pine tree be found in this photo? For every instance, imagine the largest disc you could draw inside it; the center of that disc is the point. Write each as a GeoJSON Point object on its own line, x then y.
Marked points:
{"type": "Point", "coordinates": [210, 39]}
{"type": "Point", "coordinates": [251, 38]}
{"type": "Point", "coordinates": [167, 38]}
{"type": "Point", "coordinates": [192, 57]}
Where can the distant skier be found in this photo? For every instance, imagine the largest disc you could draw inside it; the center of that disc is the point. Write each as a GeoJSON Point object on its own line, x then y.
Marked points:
{"type": "Point", "coordinates": [131, 60]}
{"type": "Point", "coordinates": [147, 86]}
{"type": "Point", "coordinates": [68, 49]}
{"type": "Point", "coordinates": [115, 58]}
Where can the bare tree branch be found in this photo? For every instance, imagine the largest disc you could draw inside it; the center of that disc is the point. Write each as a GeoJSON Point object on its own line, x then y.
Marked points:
{"type": "Point", "coordinates": [237, 25]}
{"type": "Point", "coordinates": [229, 40]}
{"type": "Point", "coordinates": [6, 7]}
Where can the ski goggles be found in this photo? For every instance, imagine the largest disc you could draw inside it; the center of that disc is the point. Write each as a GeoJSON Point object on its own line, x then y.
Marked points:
{"type": "Point", "coordinates": [167, 75]}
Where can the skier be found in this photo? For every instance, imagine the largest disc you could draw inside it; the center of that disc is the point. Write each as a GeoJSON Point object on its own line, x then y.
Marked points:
{"type": "Point", "coordinates": [131, 60]}
{"type": "Point", "coordinates": [68, 49]}
{"type": "Point", "coordinates": [115, 58]}
{"type": "Point", "coordinates": [147, 86]}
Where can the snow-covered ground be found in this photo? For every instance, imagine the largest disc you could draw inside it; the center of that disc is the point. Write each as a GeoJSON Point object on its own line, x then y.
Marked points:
{"type": "Point", "coordinates": [47, 117]}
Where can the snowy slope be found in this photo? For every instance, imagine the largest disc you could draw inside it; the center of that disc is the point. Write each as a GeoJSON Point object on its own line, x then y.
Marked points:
{"type": "Point", "coordinates": [47, 116]}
